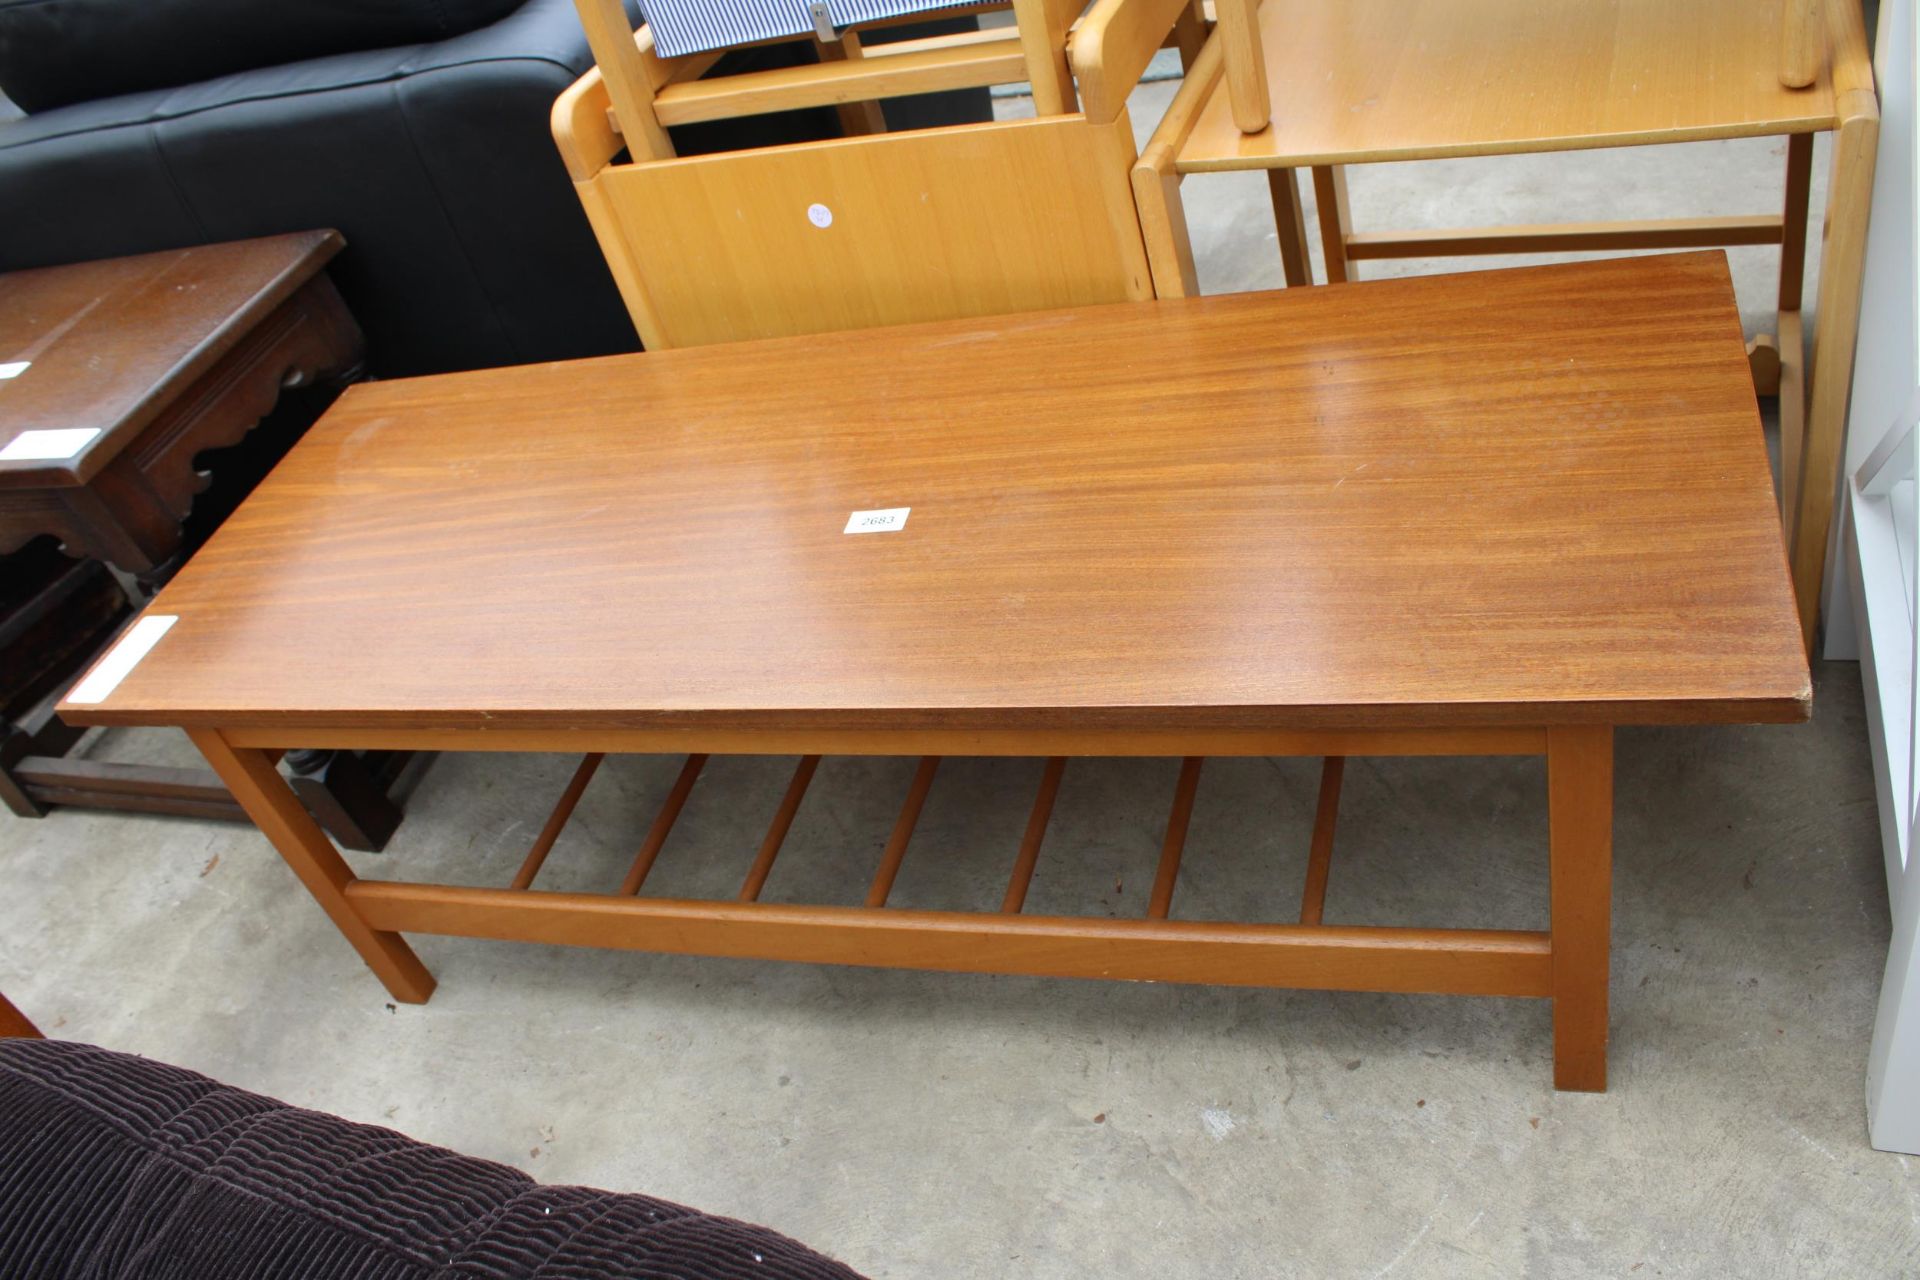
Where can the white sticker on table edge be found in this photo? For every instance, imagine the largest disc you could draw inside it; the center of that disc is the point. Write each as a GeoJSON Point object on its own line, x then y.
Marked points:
{"type": "Point", "coordinates": [14, 368]}
{"type": "Point", "coordinates": [122, 658]}
{"type": "Point", "coordinates": [48, 446]}
{"type": "Point", "coordinates": [884, 520]}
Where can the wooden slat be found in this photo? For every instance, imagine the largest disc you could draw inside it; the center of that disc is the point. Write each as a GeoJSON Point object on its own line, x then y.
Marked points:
{"type": "Point", "coordinates": [557, 820]}
{"type": "Point", "coordinates": [1457, 961]}
{"type": "Point", "coordinates": [896, 849]}
{"type": "Point", "coordinates": [1793, 412]}
{"type": "Point", "coordinates": [1024, 864]}
{"type": "Point", "coordinates": [1171, 848]}
{"type": "Point", "coordinates": [1326, 813]}
{"type": "Point", "coordinates": [887, 71]}
{"type": "Point", "coordinates": [99, 777]}
{"type": "Point", "coordinates": [662, 824]}
{"type": "Point", "coordinates": [1567, 237]}
{"type": "Point", "coordinates": [1793, 236]}
{"type": "Point", "coordinates": [133, 802]}
{"type": "Point", "coordinates": [777, 832]}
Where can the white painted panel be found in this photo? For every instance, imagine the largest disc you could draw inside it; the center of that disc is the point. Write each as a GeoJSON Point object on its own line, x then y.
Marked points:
{"type": "Point", "coordinates": [1879, 593]}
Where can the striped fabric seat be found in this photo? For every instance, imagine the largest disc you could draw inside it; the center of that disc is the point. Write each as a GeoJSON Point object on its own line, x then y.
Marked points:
{"type": "Point", "coordinates": [693, 26]}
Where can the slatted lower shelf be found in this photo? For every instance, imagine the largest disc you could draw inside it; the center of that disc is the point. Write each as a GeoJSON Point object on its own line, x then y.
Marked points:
{"type": "Point", "coordinates": [1156, 949]}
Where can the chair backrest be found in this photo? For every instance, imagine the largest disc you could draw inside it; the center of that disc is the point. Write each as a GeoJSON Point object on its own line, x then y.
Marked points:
{"type": "Point", "coordinates": [873, 229]}
{"type": "Point", "coordinates": [1802, 46]}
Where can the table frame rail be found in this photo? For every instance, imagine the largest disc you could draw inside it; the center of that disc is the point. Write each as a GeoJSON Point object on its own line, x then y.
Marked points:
{"type": "Point", "coordinates": [1567, 963]}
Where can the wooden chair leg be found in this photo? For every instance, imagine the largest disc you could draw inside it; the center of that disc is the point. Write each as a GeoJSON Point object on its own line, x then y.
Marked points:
{"type": "Point", "coordinates": [1580, 838]}
{"type": "Point", "coordinates": [1793, 231]}
{"type": "Point", "coordinates": [1842, 260]}
{"type": "Point", "coordinates": [1290, 221]}
{"type": "Point", "coordinates": [1163, 228]}
{"type": "Point", "coordinates": [270, 802]}
{"type": "Point", "coordinates": [1336, 221]}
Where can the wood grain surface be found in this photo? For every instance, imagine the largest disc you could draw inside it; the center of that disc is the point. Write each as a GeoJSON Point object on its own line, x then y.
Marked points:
{"type": "Point", "coordinates": [1361, 80]}
{"type": "Point", "coordinates": [113, 343]}
{"type": "Point", "coordinates": [1534, 496]}
{"type": "Point", "coordinates": [929, 224]}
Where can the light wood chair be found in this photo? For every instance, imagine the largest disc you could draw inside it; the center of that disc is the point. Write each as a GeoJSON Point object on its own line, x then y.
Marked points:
{"type": "Point", "coordinates": [1364, 81]}
{"type": "Point", "coordinates": [874, 228]}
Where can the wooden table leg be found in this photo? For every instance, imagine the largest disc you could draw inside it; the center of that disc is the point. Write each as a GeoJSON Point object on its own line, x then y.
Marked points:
{"type": "Point", "coordinates": [15, 1023]}
{"type": "Point", "coordinates": [1580, 835]}
{"type": "Point", "coordinates": [270, 802]}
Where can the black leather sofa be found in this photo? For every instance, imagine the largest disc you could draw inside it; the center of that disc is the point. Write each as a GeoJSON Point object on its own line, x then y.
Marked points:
{"type": "Point", "coordinates": [420, 131]}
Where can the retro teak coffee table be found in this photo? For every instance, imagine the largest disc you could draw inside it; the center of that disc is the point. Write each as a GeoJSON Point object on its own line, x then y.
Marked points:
{"type": "Point", "coordinates": [1484, 514]}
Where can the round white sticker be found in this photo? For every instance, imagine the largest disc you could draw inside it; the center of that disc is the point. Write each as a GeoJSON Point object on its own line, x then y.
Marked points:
{"type": "Point", "coordinates": [819, 215]}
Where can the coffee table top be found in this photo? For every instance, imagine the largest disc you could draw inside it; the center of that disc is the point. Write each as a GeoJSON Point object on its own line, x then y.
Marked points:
{"type": "Point", "coordinates": [1512, 497]}
{"type": "Point", "coordinates": [107, 345]}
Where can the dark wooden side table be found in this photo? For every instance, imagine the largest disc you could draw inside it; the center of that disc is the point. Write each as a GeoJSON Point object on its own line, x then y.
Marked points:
{"type": "Point", "coordinates": [115, 377]}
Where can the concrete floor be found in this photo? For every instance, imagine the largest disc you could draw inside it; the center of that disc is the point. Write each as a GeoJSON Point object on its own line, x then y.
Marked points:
{"type": "Point", "coordinates": [929, 1125]}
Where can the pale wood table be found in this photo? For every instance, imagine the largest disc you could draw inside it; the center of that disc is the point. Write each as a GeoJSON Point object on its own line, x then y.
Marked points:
{"type": "Point", "coordinates": [1485, 514]}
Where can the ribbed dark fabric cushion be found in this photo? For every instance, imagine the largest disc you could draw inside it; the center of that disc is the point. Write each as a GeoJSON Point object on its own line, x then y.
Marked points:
{"type": "Point", "coordinates": [112, 1166]}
